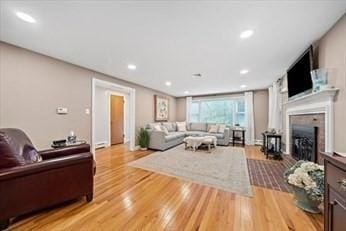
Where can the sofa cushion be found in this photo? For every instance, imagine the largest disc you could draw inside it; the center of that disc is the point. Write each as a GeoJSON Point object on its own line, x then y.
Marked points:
{"type": "Point", "coordinates": [173, 136]}
{"type": "Point", "coordinates": [171, 126]}
{"type": "Point", "coordinates": [196, 133]}
{"type": "Point", "coordinates": [198, 127]}
{"type": "Point", "coordinates": [177, 134]}
{"type": "Point", "coordinates": [217, 135]}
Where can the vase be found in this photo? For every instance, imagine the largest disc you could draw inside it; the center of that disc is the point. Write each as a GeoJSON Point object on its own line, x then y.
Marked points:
{"type": "Point", "coordinates": [319, 79]}
{"type": "Point", "coordinates": [304, 202]}
{"type": "Point", "coordinates": [143, 149]}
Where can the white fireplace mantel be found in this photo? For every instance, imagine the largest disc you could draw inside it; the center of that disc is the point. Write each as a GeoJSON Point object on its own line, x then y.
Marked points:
{"type": "Point", "coordinates": [314, 103]}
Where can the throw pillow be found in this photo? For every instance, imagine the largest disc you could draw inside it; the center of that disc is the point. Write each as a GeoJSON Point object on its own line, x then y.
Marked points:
{"type": "Point", "coordinates": [213, 128]}
{"type": "Point", "coordinates": [222, 128]}
{"type": "Point", "coordinates": [181, 126]}
{"type": "Point", "coordinates": [165, 130]}
{"type": "Point", "coordinates": [157, 128]}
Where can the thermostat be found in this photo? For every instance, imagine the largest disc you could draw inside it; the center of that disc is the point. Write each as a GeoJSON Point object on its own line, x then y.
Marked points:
{"type": "Point", "coordinates": [61, 110]}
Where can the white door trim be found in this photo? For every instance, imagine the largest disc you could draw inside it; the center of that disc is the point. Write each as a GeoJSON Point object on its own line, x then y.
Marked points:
{"type": "Point", "coordinates": [132, 113]}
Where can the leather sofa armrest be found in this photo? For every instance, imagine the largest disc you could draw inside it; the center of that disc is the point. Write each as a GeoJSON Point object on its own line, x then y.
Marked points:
{"type": "Point", "coordinates": [64, 151]}
{"type": "Point", "coordinates": [18, 171]}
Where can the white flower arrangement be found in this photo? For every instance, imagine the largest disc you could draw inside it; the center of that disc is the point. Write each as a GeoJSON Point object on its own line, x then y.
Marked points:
{"type": "Point", "coordinates": [308, 176]}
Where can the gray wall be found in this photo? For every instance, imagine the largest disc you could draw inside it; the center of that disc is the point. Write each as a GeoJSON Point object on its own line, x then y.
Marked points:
{"type": "Point", "coordinates": [32, 86]}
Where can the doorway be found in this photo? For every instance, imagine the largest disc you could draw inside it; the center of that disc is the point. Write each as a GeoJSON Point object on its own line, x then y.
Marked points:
{"type": "Point", "coordinates": [117, 132]}
{"type": "Point", "coordinates": [113, 115]}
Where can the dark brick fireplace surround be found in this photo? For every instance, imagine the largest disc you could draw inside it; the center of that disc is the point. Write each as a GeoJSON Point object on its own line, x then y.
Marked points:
{"type": "Point", "coordinates": [316, 120]}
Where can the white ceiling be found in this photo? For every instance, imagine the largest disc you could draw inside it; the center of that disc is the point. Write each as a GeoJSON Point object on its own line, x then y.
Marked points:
{"type": "Point", "coordinates": [171, 40]}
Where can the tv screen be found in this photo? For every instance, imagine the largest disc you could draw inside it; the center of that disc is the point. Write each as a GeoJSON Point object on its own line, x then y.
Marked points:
{"type": "Point", "coordinates": [298, 75]}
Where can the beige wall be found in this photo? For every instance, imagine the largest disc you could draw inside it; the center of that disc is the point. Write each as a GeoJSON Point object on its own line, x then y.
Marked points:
{"type": "Point", "coordinates": [181, 109]}
{"type": "Point", "coordinates": [32, 86]}
{"type": "Point", "coordinates": [332, 55]}
{"type": "Point", "coordinates": [260, 111]}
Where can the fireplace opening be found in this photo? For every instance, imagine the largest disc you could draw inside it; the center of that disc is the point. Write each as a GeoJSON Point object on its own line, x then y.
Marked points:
{"type": "Point", "coordinates": [304, 142]}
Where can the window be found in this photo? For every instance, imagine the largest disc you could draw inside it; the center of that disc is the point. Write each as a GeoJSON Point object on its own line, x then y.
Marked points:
{"type": "Point", "coordinates": [230, 111]}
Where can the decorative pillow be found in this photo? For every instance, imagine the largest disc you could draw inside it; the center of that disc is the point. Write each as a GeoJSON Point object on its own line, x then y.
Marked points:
{"type": "Point", "coordinates": [165, 130]}
{"type": "Point", "coordinates": [157, 128]}
{"type": "Point", "coordinates": [222, 128]}
{"type": "Point", "coordinates": [181, 126]}
{"type": "Point", "coordinates": [213, 128]}
{"type": "Point", "coordinates": [152, 125]}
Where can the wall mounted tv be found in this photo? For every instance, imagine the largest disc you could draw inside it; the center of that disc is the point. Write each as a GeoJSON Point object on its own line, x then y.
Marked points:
{"type": "Point", "coordinates": [298, 75]}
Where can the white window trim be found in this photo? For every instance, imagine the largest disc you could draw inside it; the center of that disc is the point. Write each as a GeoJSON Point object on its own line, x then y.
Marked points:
{"type": "Point", "coordinates": [216, 98]}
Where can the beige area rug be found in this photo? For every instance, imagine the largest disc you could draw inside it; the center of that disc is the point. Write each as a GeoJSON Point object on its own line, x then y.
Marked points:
{"type": "Point", "coordinates": [224, 168]}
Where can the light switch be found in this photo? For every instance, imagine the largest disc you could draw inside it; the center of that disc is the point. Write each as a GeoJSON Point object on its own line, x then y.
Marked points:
{"type": "Point", "coordinates": [61, 110]}
{"type": "Point", "coordinates": [87, 111]}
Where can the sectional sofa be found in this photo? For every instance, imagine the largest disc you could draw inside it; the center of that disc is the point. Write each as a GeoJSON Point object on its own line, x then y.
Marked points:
{"type": "Point", "coordinates": [163, 140]}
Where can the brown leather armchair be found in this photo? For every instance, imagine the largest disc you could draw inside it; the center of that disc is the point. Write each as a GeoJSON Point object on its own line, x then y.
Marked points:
{"type": "Point", "coordinates": [32, 180]}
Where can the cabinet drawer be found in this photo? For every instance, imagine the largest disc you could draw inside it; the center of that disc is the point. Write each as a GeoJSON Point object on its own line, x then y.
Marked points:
{"type": "Point", "coordinates": [337, 211]}
{"type": "Point", "coordinates": [336, 198]}
{"type": "Point", "coordinates": [335, 176]}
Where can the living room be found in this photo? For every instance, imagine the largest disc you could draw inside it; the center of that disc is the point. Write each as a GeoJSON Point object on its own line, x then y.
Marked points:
{"type": "Point", "coordinates": [172, 115]}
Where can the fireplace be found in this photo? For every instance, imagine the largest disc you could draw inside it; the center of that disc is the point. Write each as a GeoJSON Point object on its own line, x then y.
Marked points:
{"type": "Point", "coordinates": [304, 142]}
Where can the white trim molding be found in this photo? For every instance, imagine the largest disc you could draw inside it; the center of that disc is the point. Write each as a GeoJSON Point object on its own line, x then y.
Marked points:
{"type": "Point", "coordinates": [132, 110]}
{"type": "Point", "coordinates": [315, 103]}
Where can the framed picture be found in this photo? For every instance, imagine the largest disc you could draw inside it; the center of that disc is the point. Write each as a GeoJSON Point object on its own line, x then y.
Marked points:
{"type": "Point", "coordinates": [161, 108]}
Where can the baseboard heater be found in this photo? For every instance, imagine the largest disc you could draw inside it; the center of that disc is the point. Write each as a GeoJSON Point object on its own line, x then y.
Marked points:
{"type": "Point", "coordinates": [102, 144]}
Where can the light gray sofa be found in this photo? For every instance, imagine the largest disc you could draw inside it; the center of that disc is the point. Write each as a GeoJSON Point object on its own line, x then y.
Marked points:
{"type": "Point", "coordinates": [159, 140]}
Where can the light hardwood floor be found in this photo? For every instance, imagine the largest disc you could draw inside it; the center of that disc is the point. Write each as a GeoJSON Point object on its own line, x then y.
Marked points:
{"type": "Point", "coordinates": [127, 198]}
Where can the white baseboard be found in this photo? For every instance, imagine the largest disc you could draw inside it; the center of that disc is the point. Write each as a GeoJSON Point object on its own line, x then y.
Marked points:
{"type": "Point", "coordinates": [258, 142]}
{"type": "Point", "coordinates": [137, 148]}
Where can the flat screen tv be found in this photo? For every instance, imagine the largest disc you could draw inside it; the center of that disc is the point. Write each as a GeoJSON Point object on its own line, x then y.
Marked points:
{"type": "Point", "coordinates": [298, 75]}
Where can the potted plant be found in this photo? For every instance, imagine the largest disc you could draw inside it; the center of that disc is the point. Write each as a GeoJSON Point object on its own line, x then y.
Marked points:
{"type": "Point", "coordinates": [143, 139]}
{"type": "Point", "coordinates": [307, 181]}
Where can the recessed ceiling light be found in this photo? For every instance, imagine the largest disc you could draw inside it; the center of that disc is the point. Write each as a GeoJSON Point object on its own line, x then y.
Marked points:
{"type": "Point", "coordinates": [25, 17]}
{"type": "Point", "coordinates": [243, 86]}
{"type": "Point", "coordinates": [131, 67]}
{"type": "Point", "coordinates": [244, 71]}
{"type": "Point", "coordinates": [168, 83]}
{"type": "Point", "coordinates": [186, 92]}
{"type": "Point", "coordinates": [246, 34]}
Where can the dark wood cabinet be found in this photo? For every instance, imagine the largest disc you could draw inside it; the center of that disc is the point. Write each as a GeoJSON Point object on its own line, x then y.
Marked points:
{"type": "Point", "coordinates": [335, 192]}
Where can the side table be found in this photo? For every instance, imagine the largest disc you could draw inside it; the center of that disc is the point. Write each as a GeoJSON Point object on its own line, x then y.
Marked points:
{"type": "Point", "coordinates": [235, 138]}
{"type": "Point", "coordinates": [276, 149]}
